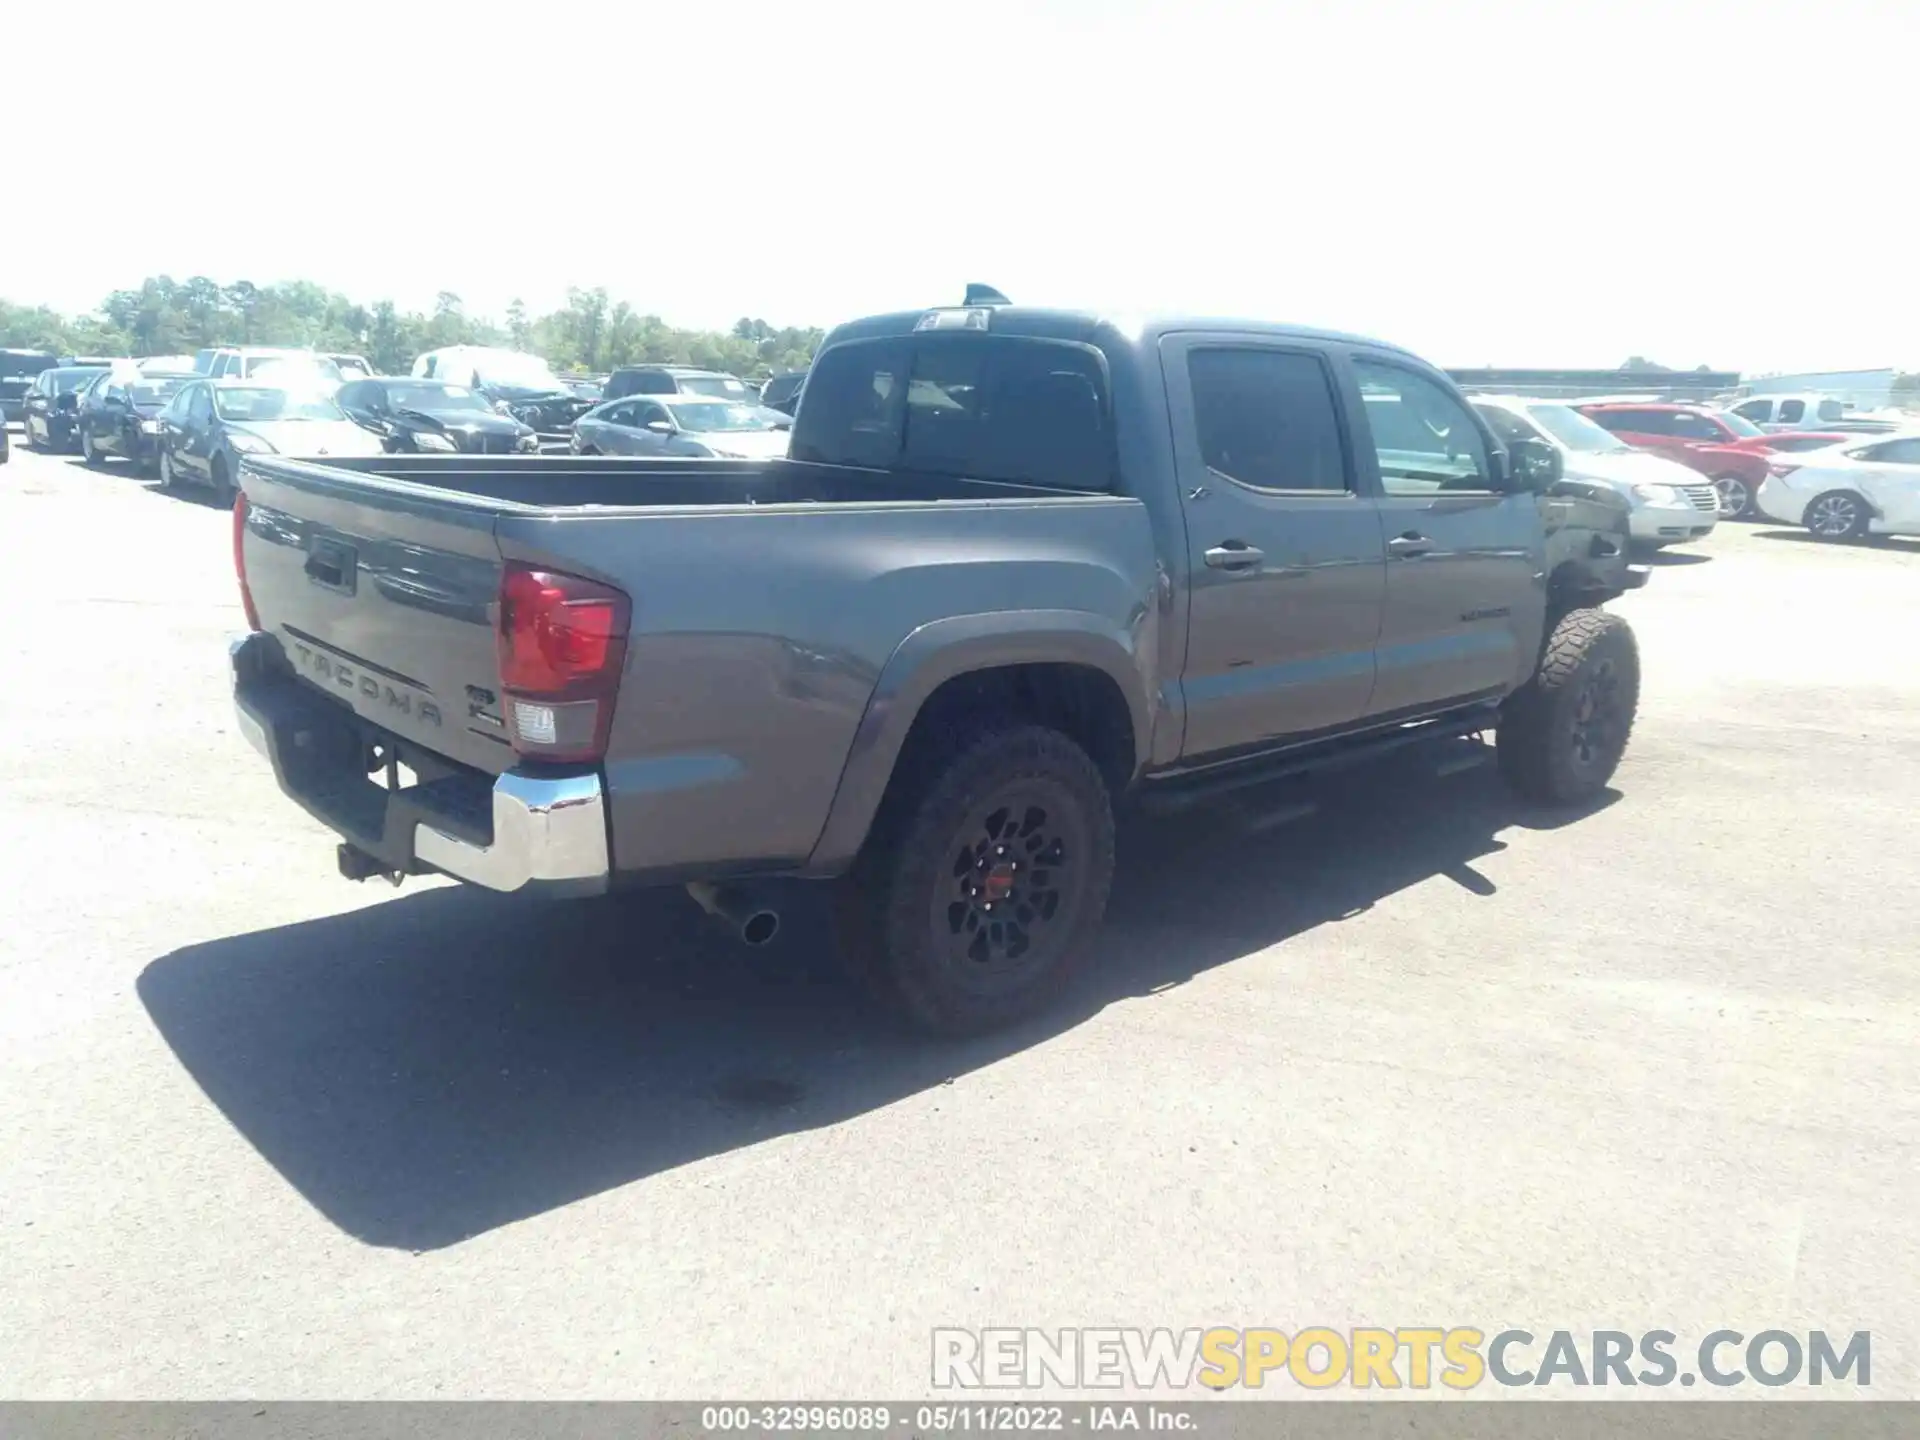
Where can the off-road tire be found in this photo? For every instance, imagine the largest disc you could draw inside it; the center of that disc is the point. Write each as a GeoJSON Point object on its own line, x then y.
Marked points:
{"type": "Point", "coordinates": [890, 908]}
{"type": "Point", "coordinates": [1547, 747]}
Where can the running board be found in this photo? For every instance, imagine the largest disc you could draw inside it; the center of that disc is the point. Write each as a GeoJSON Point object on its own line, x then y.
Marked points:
{"type": "Point", "coordinates": [1174, 794]}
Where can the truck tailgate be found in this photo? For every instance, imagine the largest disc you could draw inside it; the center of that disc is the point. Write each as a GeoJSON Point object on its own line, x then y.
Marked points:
{"type": "Point", "coordinates": [383, 597]}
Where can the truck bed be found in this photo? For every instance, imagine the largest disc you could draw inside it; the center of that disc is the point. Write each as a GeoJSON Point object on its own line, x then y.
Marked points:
{"type": "Point", "coordinates": [767, 597]}
{"type": "Point", "coordinates": [619, 481]}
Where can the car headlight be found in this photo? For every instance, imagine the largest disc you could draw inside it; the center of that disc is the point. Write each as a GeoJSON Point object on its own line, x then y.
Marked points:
{"type": "Point", "coordinates": [249, 444]}
{"type": "Point", "coordinates": [1656, 494]}
{"type": "Point", "coordinates": [427, 440]}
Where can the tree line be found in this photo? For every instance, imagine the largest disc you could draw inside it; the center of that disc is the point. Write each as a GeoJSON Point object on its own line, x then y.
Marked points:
{"type": "Point", "coordinates": [592, 332]}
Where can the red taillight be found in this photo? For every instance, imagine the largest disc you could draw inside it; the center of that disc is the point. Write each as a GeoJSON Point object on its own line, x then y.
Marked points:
{"type": "Point", "coordinates": [562, 641]}
{"type": "Point", "coordinates": [240, 558]}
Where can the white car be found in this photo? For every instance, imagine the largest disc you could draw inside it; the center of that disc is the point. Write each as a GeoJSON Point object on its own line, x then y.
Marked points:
{"type": "Point", "coordinates": [1861, 487]}
{"type": "Point", "coordinates": [1669, 502]}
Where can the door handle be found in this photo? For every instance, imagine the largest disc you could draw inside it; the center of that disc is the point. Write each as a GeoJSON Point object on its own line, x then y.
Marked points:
{"type": "Point", "coordinates": [1234, 555]}
{"type": "Point", "coordinates": [1409, 545]}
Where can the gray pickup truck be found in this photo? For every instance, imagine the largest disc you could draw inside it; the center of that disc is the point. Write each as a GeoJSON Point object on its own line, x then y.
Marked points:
{"type": "Point", "coordinates": [1019, 563]}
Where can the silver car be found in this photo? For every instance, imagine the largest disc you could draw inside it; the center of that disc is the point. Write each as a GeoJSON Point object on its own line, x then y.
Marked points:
{"type": "Point", "coordinates": [672, 425]}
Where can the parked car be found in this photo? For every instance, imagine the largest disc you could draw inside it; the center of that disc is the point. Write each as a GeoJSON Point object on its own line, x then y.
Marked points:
{"type": "Point", "coordinates": [162, 364]}
{"type": "Point", "coordinates": [250, 362]}
{"type": "Point", "coordinates": [119, 414]}
{"type": "Point", "coordinates": [426, 416]}
{"type": "Point", "coordinates": [1776, 413]}
{"type": "Point", "coordinates": [1862, 487]}
{"type": "Point", "coordinates": [1668, 503]}
{"type": "Point", "coordinates": [676, 380]}
{"type": "Point", "coordinates": [1701, 439]}
{"type": "Point", "coordinates": [18, 370]}
{"type": "Point", "coordinates": [782, 392]}
{"type": "Point", "coordinates": [351, 367]}
{"type": "Point", "coordinates": [686, 426]}
{"type": "Point", "coordinates": [1792, 442]}
{"type": "Point", "coordinates": [50, 414]}
{"type": "Point", "coordinates": [591, 388]}
{"type": "Point", "coordinates": [1184, 562]}
{"type": "Point", "coordinates": [518, 384]}
{"type": "Point", "coordinates": [209, 424]}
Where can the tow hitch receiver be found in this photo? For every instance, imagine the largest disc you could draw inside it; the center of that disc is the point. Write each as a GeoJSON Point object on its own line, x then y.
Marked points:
{"type": "Point", "coordinates": [357, 864]}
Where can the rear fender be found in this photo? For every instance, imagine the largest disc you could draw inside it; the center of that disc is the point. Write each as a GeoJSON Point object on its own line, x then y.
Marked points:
{"type": "Point", "coordinates": [963, 644]}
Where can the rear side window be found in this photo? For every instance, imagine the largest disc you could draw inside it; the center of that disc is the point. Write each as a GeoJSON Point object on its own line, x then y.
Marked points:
{"type": "Point", "coordinates": [1266, 419]}
{"type": "Point", "coordinates": [983, 407]}
{"type": "Point", "coordinates": [1792, 412]}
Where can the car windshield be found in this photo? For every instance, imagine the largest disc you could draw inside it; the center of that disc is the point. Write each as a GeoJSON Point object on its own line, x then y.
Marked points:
{"type": "Point", "coordinates": [1574, 430]}
{"type": "Point", "coordinates": [305, 366]}
{"type": "Point", "coordinates": [31, 362]}
{"type": "Point", "coordinates": [522, 372]}
{"type": "Point", "coordinates": [65, 382]}
{"type": "Point", "coordinates": [1740, 425]}
{"type": "Point", "coordinates": [262, 402]}
{"type": "Point", "coordinates": [709, 416]}
{"type": "Point", "coordinates": [155, 391]}
{"type": "Point", "coordinates": [725, 387]}
{"type": "Point", "coordinates": [433, 395]}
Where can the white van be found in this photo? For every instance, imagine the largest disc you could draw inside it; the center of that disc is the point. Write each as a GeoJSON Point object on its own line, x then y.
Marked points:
{"type": "Point", "coordinates": [510, 373]}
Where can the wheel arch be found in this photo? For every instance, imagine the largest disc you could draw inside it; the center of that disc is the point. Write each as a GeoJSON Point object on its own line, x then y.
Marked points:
{"type": "Point", "coordinates": [1067, 669]}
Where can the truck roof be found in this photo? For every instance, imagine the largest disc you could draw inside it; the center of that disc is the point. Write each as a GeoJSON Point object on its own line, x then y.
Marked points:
{"type": "Point", "coordinates": [1083, 325]}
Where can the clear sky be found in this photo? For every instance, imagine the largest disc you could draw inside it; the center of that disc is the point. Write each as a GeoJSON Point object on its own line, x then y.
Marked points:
{"type": "Point", "coordinates": [1539, 182]}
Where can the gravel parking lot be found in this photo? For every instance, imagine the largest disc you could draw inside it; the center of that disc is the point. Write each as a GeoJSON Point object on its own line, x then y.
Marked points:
{"type": "Point", "coordinates": [1427, 1058]}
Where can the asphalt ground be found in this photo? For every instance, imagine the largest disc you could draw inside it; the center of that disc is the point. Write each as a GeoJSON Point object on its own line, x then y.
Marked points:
{"type": "Point", "coordinates": [1425, 1058]}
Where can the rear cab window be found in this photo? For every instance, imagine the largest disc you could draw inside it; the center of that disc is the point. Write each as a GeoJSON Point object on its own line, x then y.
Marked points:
{"type": "Point", "coordinates": [985, 407]}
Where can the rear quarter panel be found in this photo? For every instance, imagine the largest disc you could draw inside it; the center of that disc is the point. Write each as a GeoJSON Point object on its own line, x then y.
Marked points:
{"type": "Point", "coordinates": [760, 639]}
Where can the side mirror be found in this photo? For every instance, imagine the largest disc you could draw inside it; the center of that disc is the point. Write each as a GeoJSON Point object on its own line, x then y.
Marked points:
{"type": "Point", "coordinates": [1533, 465]}
{"type": "Point", "coordinates": [659, 427]}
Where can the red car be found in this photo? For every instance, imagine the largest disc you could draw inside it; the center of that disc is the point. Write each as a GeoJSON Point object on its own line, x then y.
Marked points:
{"type": "Point", "coordinates": [1730, 451]}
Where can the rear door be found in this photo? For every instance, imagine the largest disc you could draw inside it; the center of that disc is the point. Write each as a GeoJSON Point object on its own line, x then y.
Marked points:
{"type": "Point", "coordinates": [1285, 564]}
{"type": "Point", "coordinates": [1893, 482]}
{"type": "Point", "coordinates": [1464, 554]}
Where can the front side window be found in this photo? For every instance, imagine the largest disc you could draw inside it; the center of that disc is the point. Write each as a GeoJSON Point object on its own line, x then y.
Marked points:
{"type": "Point", "coordinates": [1266, 419]}
{"type": "Point", "coordinates": [1424, 438]}
{"type": "Point", "coordinates": [1759, 411]}
{"type": "Point", "coordinates": [1689, 426]}
{"type": "Point", "coordinates": [645, 413]}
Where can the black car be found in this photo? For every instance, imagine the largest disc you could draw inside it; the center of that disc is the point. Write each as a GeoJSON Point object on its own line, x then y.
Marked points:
{"type": "Point", "coordinates": [18, 370]}
{"type": "Point", "coordinates": [676, 380]}
{"type": "Point", "coordinates": [433, 415]}
{"type": "Point", "coordinates": [782, 392]}
{"type": "Point", "coordinates": [51, 412]}
{"type": "Point", "coordinates": [120, 415]}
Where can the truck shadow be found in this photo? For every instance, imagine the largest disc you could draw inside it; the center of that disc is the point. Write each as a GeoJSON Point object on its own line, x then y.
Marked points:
{"type": "Point", "coordinates": [426, 1069]}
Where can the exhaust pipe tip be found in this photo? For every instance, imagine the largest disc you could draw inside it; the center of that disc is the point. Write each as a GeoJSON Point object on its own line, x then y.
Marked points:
{"type": "Point", "coordinates": [754, 924]}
